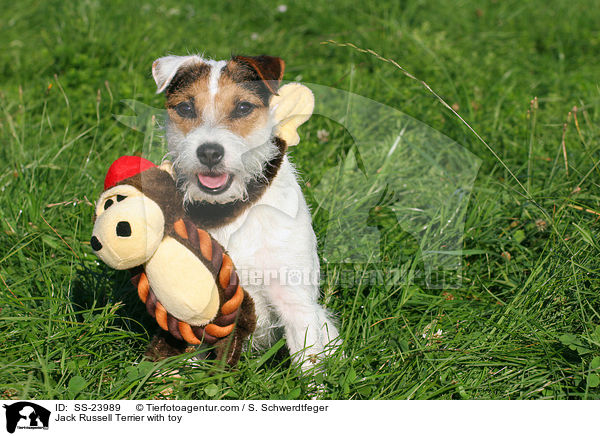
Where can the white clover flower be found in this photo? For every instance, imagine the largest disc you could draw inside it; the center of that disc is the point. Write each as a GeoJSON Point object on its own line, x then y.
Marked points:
{"type": "Point", "coordinates": [323, 135]}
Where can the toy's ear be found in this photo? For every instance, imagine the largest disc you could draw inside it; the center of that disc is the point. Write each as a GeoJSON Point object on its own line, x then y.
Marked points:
{"type": "Point", "coordinates": [292, 107]}
{"type": "Point", "coordinates": [165, 68]}
{"type": "Point", "coordinates": [167, 166]}
{"type": "Point", "coordinates": [269, 69]}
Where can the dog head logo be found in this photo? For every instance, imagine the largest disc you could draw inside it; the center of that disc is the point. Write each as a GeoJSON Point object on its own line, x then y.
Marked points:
{"type": "Point", "coordinates": [24, 414]}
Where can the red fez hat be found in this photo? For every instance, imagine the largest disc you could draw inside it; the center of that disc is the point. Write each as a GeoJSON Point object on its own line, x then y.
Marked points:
{"type": "Point", "coordinates": [125, 167]}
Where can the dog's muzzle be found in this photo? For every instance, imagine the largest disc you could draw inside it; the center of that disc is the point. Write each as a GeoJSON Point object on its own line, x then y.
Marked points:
{"type": "Point", "coordinates": [210, 154]}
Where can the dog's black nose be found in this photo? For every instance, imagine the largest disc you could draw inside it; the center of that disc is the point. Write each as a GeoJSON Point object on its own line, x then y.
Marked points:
{"type": "Point", "coordinates": [123, 229]}
{"type": "Point", "coordinates": [95, 243]}
{"type": "Point", "coordinates": [210, 153]}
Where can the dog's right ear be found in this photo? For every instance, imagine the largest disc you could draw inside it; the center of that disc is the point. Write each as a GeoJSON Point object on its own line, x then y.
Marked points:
{"type": "Point", "coordinates": [268, 68]}
{"type": "Point", "coordinates": [165, 68]}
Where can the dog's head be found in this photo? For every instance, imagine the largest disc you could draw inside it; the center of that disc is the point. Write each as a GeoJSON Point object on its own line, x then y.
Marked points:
{"type": "Point", "coordinates": [220, 128]}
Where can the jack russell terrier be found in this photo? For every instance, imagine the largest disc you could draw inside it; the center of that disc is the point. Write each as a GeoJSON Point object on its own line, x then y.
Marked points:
{"type": "Point", "coordinates": [231, 165]}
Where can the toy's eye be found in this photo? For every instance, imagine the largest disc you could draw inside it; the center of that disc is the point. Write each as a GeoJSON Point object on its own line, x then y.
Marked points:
{"type": "Point", "coordinates": [242, 109]}
{"type": "Point", "coordinates": [121, 197]}
{"type": "Point", "coordinates": [108, 203]}
{"type": "Point", "coordinates": [186, 110]}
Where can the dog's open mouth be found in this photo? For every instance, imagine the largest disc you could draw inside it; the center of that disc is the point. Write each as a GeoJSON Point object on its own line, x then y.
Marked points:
{"type": "Point", "coordinates": [214, 183]}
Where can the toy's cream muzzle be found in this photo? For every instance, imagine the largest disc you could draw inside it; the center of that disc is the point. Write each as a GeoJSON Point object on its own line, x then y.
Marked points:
{"type": "Point", "coordinates": [128, 229]}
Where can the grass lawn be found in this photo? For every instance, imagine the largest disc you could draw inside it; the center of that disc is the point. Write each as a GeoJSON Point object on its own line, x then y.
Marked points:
{"type": "Point", "coordinates": [524, 320]}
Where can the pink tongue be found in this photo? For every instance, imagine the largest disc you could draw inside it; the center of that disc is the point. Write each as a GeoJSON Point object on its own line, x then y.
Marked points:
{"type": "Point", "coordinates": [213, 182]}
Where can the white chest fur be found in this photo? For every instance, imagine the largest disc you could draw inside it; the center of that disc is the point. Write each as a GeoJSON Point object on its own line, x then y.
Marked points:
{"type": "Point", "coordinates": [274, 232]}
{"type": "Point", "coordinates": [270, 240]}
{"type": "Point", "coordinates": [178, 279]}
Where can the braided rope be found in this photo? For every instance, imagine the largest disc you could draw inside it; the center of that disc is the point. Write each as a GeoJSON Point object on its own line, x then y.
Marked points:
{"type": "Point", "coordinates": [233, 292]}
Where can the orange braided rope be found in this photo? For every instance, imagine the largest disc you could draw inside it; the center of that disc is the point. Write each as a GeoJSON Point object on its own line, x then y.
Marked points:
{"type": "Point", "coordinates": [223, 324]}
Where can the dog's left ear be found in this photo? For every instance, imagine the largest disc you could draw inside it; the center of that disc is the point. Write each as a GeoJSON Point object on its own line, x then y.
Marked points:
{"type": "Point", "coordinates": [269, 69]}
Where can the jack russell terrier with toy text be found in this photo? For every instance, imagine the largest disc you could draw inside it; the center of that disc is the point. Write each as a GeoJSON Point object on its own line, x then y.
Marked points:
{"type": "Point", "coordinates": [228, 130]}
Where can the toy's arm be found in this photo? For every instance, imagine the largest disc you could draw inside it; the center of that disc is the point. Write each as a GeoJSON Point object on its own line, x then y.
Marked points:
{"type": "Point", "coordinates": [167, 166]}
{"type": "Point", "coordinates": [293, 106]}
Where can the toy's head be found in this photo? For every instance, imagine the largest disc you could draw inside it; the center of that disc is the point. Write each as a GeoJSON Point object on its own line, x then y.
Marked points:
{"type": "Point", "coordinates": [130, 215]}
{"type": "Point", "coordinates": [188, 282]}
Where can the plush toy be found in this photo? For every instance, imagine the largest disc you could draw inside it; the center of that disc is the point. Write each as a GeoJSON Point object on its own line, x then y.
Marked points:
{"type": "Point", "coordinates": [291, 107]}
{"type": "Point", "coordinates": [185, 277]}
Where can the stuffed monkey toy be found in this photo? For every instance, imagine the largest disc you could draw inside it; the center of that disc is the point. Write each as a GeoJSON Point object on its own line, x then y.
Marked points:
{"type": "Point", "coordinates": [185, 278]}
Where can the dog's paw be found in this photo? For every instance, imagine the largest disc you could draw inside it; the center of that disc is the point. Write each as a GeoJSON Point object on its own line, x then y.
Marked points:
{"type": "Point", "coordinates": [313, 359]}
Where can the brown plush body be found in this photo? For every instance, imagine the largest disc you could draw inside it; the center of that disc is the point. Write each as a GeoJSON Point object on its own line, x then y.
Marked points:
{"type": "Point", "coordinates": [185, 278]}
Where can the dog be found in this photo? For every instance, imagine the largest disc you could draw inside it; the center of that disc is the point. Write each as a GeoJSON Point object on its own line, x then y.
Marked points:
{"type": "Point", "coordinates": [239, 185]}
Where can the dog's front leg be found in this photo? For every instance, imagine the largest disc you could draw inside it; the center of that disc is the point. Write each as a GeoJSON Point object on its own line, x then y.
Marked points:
{"type": "Point", "coordinates": [310, 332]}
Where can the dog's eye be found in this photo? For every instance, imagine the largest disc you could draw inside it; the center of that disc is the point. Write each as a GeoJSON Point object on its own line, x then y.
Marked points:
{"type": "Point", "coordinates": [242, 109]}
{"type": "Point", "coordinates": [108, 203]}
{"type": "Point", "coordinates": [121, 197]}
{"type": "Point", "coordinates": [185, 110]}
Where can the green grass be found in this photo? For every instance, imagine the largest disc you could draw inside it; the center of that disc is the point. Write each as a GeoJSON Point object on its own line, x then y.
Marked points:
{"type": "Point", "coordinates": [524, 321]}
